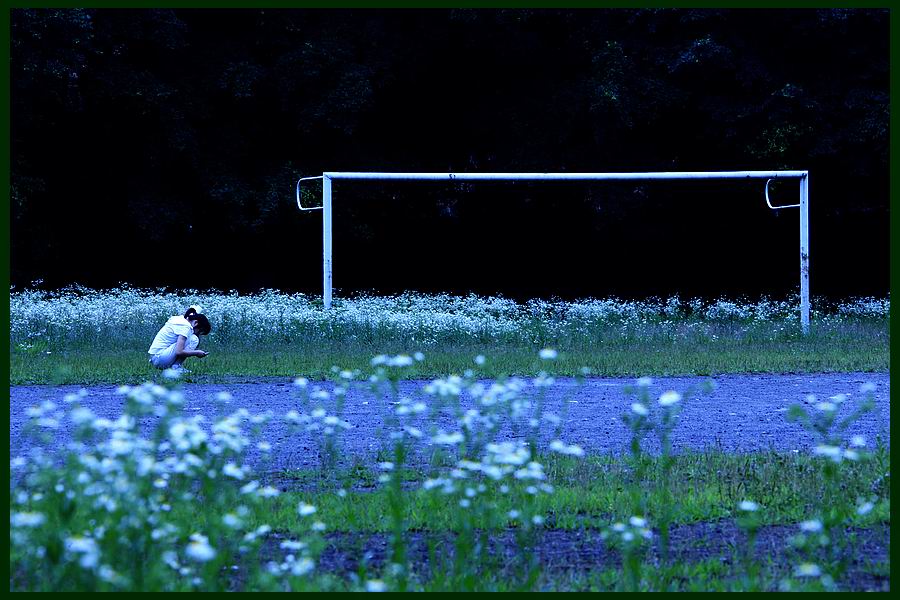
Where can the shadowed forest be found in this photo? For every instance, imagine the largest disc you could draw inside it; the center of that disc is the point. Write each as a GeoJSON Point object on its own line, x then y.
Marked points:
{"type": "Point", "coordinates": [160, 148]}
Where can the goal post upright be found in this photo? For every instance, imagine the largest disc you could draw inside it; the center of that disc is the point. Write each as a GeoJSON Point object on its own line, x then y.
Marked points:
{"type": "Point", "coordinates": [804, 253]}
{"type": "Point", "coordinates": [802, 176]}
{"type": "Point", "coordinates": [326, 241]}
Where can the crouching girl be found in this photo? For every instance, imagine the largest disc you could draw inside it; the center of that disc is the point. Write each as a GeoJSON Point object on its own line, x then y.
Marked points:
{"type": "Point", "coordinates": [178, 339]}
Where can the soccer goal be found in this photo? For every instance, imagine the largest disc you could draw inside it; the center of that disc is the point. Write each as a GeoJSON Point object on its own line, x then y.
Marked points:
{"type": "Point", "coordinates": [803, 176]}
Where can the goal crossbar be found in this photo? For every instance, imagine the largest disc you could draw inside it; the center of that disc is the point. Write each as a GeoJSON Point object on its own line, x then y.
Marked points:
{"type": "Point", "coordinates": [803, 177]}
{"type": "Point", "coordinates": [569, 176]}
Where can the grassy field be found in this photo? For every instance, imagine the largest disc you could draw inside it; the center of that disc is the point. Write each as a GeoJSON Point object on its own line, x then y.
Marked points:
{"type": "Point", "coordinates": [89, 336]}
{"type": "Point", "coordinates": [177, 507]}
{"type": "Point", "coordinates": [594, 490]}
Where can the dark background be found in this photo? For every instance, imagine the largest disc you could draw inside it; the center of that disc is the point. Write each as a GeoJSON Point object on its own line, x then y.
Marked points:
{"type": "Point", "coordinates": [161, 147]}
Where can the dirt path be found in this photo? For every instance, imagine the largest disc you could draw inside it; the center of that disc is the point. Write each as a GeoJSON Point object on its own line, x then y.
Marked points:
{"type": "Point", "coordinates": [743, 413]}
{"type": "Point", "coordinates": [561, 551]}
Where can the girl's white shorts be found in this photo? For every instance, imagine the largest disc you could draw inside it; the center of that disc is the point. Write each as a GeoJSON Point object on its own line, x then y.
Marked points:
{"type": "Point", "coordinates": [166, 358]}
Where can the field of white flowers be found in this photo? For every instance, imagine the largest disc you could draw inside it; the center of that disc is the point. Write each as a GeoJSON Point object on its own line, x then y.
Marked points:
{"type": "Point", "coordinates": [126, 317]}
{"type": "Point", "coordinates": [177, 508]}
{"type": "Point", "coordinates": [159, 500]}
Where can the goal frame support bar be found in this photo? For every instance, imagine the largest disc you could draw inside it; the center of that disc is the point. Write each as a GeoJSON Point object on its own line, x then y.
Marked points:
{"type": "Point", "coordinates": [803, 176]}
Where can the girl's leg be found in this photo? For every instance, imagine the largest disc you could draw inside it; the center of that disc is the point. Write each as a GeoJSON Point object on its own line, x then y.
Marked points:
{"type": "Point", "coordinates": [165, 358]}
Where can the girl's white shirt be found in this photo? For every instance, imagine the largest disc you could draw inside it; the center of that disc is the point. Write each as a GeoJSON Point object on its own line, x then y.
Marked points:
{"type": "Point", "coordinates": [169, 333]}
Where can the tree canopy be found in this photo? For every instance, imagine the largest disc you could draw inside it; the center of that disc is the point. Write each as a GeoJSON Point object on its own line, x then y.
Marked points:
{"type": "Point", "coordinates": [160, 147]}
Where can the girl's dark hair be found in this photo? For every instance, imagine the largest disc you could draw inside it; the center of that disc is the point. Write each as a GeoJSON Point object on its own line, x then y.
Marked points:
{"type": "Point", "coordinates": [203, 326]}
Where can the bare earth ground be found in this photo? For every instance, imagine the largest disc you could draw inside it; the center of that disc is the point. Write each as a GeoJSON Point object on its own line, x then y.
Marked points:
{"type": "Point", "coordinates": [573, 552]}
{"type": "Point", "coordinates": [744, 413]}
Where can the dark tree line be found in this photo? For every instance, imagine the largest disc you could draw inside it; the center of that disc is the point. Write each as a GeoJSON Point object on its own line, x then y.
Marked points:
{"type": "Point", "coordinates": [160, 147]}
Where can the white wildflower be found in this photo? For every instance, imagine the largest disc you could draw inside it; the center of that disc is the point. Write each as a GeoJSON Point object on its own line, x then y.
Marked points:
{"type": "Point", "coordinates": [26, 519]}
{"type": "Point", "coordinates": [807, 570]}
{"type": "Point", "coordinates": [232, 470]}
{"type": "Point", "coordinates": [811, 526]}
{"type": "Point", "coordinates": [87, 548]}
{"type": "Point", "coordinates": [559, 446]}
{"type": "Point", "coordinates": [268, 492]}
{"type": "Point", "coordinates": [106, 573]}
{"type": "Point", "coordinates": [302, 567]}
{"type": "Point", "coordinates": [832, 452]}
{"type": "Point", "coordinates": [82, 415]}
{"type": "Point", "coordinates": [865, 508]}
{"type": "Point", "coordinates": [292, 545]}
{"type": "Point", "coordinates": [401, 360]}
{"type": "Point", "coordinates": [447, 439]}
{"type": "Point", "coordinates": [669, 398]}
{"type": "Point", "coordinates": [232, 520]}
{"type": "Point", "coordinates": [199, 549]}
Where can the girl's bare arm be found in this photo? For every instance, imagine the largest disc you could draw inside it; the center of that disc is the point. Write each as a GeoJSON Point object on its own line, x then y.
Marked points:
{"type": "Point", "coordinates": [180, 352]}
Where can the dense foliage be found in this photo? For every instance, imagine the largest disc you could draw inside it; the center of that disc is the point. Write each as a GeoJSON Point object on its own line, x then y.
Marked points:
{"type": "Point", "coordinates": [160, 147]}
{"type": "Point", "coordinates": [129, 318]}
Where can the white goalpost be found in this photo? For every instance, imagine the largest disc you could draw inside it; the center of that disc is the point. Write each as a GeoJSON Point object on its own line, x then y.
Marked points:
{"type": "Point", "coordinates": [803, 176]}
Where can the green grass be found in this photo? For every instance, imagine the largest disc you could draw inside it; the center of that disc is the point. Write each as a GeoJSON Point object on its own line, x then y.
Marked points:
{"type": "Point", "coordinates": [593, 491]}
{"type": "Point", "coordinates": [77, 364]}
{"type": "Point", "coordinates": [117, 499]}
{"type": "Point", "coordinates": [68, 336]}
{"type": "Point", "coordinates": [709, 575]}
